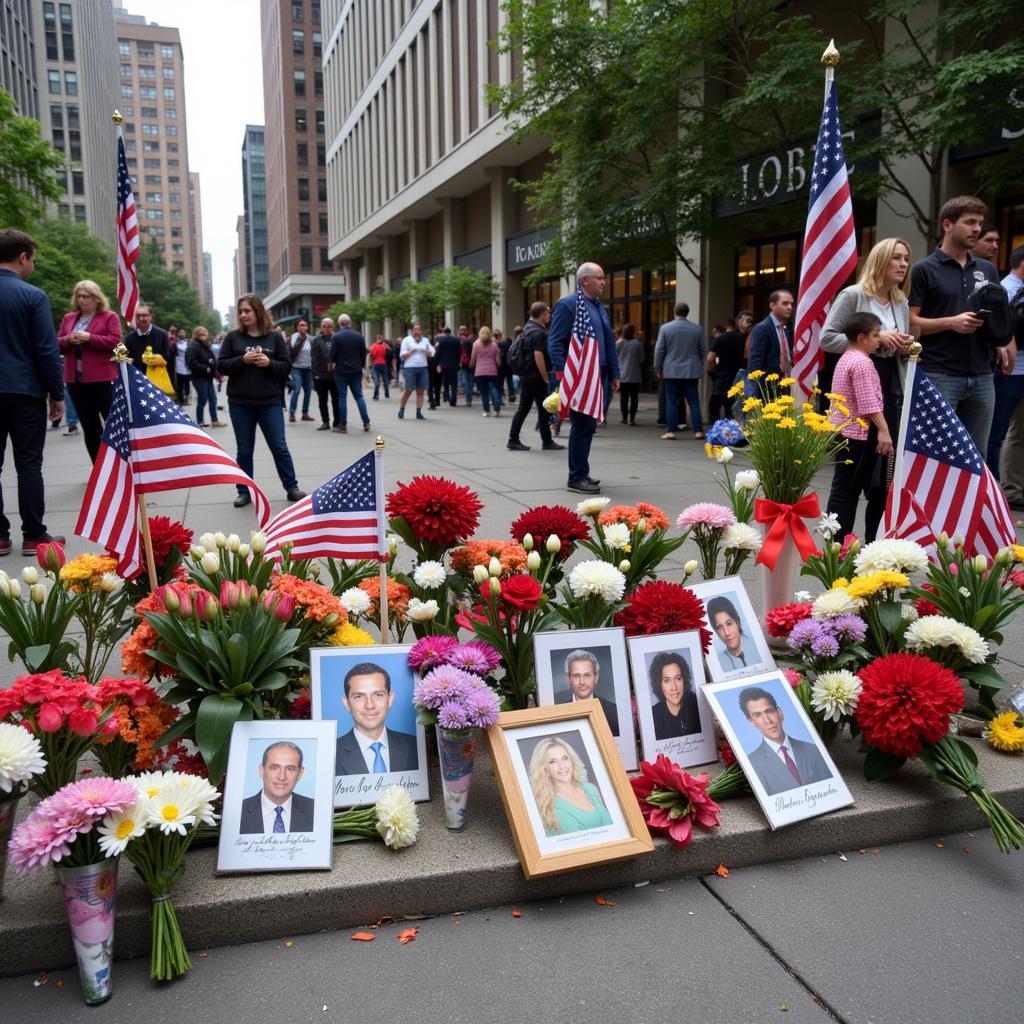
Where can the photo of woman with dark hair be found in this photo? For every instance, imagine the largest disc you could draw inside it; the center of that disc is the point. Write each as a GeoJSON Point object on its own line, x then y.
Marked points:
{"type": "Point", "coordinates": [675, 700]}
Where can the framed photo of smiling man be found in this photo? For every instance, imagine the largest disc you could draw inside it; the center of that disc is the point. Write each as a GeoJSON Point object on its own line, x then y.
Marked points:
{"type": "Point", "coordinates": [367, 692]}
{"type": "Point", "coordinates": [738, 644]}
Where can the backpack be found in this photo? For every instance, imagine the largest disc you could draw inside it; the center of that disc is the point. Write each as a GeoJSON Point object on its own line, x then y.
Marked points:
{"type": "Point", "coordinates": [519, 355]}
{"type": "Point", "coordinates": [998, 327]}
{"type": "Point", "coordinates": [1017, 316]}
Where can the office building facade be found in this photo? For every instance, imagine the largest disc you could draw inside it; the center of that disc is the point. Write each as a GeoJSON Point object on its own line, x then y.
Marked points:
{"type": "Point", "coordinates": [254, 264]}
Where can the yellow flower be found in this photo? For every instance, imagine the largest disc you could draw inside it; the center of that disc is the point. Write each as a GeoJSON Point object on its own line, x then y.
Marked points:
{"type": "Point", "coordinates": [736, 389]}
{"type": "Point", "coordinates": [755, 374]}
{"type": "Point", "coordinates": [785, 399]}
{"type": "Point", "coordinates": [751, 404]}
{"type": "Point", "coordinates": [708, 450]}
{"type": "Point", "coordinates": [773, 407]}
{"type": "Point", "coordinates": [1004, 732]}
{"type": "Point", "coordinates": [1018, 552]}
{"type": "Point", "coordinates": [772, 376]}
{"type": "Point", "coordinates": [87, 569]}
{"type": "Point", "coordinates": [772, 416]}
{"type": "Point", "coordinates": [833, 397]}
{"type": "Point", "coordinates": [787, 423]}
{"type": "Point", "coordinates": [347, 635]}
{"type": "Point", "coordinates": [871, 583]}
{"type": "Point", "coordinates": [787, 382]}
{"type": "Point", "coordinates": [841, 583]}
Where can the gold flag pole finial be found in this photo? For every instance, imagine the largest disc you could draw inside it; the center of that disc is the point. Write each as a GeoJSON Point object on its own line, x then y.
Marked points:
{"type": "Point", "coordinates": [121, 354]}
{"type": "Point", "coordinates": [830, 58]}
{"type": "Point", "coordinates": [117, 118]}
{"type": "Point", "coordinates": [914, 350]}
{"type": "Point", "coordinates": [379, 443]}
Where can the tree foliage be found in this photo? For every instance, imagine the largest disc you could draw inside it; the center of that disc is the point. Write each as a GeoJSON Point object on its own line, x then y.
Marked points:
{"type": "Point", "coordinates": [28, 167]}
{"type": "Point", "coordinates": [169, 293]}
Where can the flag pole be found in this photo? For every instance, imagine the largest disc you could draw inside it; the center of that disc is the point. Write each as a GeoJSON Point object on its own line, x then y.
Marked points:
{"type": "Point", "coordinates": [830, 58]}
{"type": "Point", "coordinates": [895, 497]}
{"type": "Point", "coordinates": [382, 543]}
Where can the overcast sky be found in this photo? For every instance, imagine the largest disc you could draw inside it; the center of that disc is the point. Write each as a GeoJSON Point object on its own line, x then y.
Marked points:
{"type": "Point", "coordinates": [223, 93]}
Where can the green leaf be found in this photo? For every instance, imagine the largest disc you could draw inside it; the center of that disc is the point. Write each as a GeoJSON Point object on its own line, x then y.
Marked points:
{"type": "Point", "coordinates": [215, 718]}
{"type": "Point", "coordinates": [38, 658]}
{"type": "Point", "coordinates": [984, 675]}
{"type": "Point", "coordinates": [880, 767]}
{"type": "Point", "coordinates": [890, 615]}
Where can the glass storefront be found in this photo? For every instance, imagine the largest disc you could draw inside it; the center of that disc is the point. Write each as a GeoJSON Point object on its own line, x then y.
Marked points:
{"type": "Point", "coordinates": [1010, 221]}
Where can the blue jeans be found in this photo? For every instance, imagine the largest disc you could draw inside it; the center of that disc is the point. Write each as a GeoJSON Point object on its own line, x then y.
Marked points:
{"type": "Point", "coordinates": [580, 437]}
{"type": "Point", "coordinates": [675, 390]}
{"type": "Point", "coordinates": [973, 399]}
{"type": "Point", "coordinates": [206, 395]}
{"type": "Point", "coordinates": [380, 377]}
{"type": "Point", "coordinates": [301, 378]}
{"type": "Point", "coordinates": [70, 415]}
{"type": "Point", "coordinates": [346, 382]}
{"type": "Point", "coordinates": [1009, 391]}
{"type": "Point", "coordinates": [270, 419]}
{"type": "Point", "coordinates": [466, 376]}
{"type": "Point", "coordinates": [490, 391]}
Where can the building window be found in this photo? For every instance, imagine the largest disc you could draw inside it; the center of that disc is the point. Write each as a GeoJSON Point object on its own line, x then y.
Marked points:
{"type": "Point", "coordinates": [56, 115]}
{"type": "Point", "coordinates": [318, 83]}
{"type": "Point", "coordinates": [63, 210]}
{"type": "Point", "coordinates": [128, 111]}
{"type": "Point", "coordinates": [179, 265]}
{"type": "Point", "coordinates": [174, 197]}
{"type": "Point", "coordinates": [303, 190]}
{"type": "Point", "coordinates": [178, 249]}
{"type": "Point", "coordinates": [153, 215]}
{"type": "Point", "coordinates": [57, 139]}
{"type": "Point", "coordinates": [297, 12]}
{"type": "Point", "coordinates": [147, 92]}
{"type": "Point", "coordinates": [172, 147]}
{"type": "Point", "coordinates": [169, 95]}
{"type": "Point", "coordinates": [124, 48]}
{"type": "Point", "coordinates": [129, 127]}
{"type": "Point", "coordinates": [320, 121]}
{"type": "Point", "coordinates": [302, 154]}
{"type": "Point", "coordinates": [149, 112]}
{"type": "Point", "coordinates": [314, 11]}
{"type": "Point", "coordinates": [167, 51]}
{"type": "Point", "coordinates": [175, 214]}
{"type": "Point", "coordinates": [145, 52]}
{"type": "Point", "coordinates": [126, 71]}
{"type": "Point", "coordinates": [171, 129]}
{"type": "Point", "coordinates": [168, 74]}
{"type": "Point", "coordinates": [53, 82]}
{"type": "Point", "coordinates": [79, 214]}
{"type": "Point", "coordinates": [171, 113]}
{"type": "Point", "coordinates": [154, 197]}
{"type": "Point", "coordinates": [71, 83]}
{"type": "Point", "coordinates": [321, 155]}
{"type": "Point", "coordinates": [305, 258]}
{"type": "Point", "coordinates": [321, 190]}
{"type": "Point", "coordinates": [298, 41]}
{"type": "Point", "coordinates": [300, 119]}
{"type": "Point", "coordinates": [323, 223]}
{"type": "Point", "coordinates": [73, 121]}
{"type": "Point", "coordinates": [147, 72]}
{"type": "Point", "coordinates": [172, 165]}
{"type": "Point", "coordinates": [151, 129]}
{"type": "Point", "coordinates": [299, 78]}
{"type": "Point", "coordinates": [148, 146]}
{"type": "Point", "coordinates": [173, 179]}
{"type": "Point", "coordinates": [150, 163]}
{"type": "Point", "coordinates": [304, 222]}
{"type": "Point", "coordinates": [325, 260]}
{"type": "Point", "coordinates": [154, 179]}
{"type": "Point", "coordinates": [62, 179]}
{"type": "Point", "coordinates": [126, 90]}
{"type": "Point", "coordinates": [75, 145]}
{"type": "Point", "coordinates": [318, 44]}
{"type": "Point", "coordinates": [78, 183]}
{"type": "Point", "coordinates": [129, 144]}
{"type": "Point", "coordinates": [176, 233]}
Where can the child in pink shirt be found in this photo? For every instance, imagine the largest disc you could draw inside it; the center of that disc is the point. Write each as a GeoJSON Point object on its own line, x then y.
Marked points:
{"type": "Point", "coordinates": [858, 389]}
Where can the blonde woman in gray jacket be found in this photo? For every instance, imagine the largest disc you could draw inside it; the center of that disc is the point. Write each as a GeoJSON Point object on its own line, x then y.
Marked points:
{"type": "Point", "coordinates": [878, 290]}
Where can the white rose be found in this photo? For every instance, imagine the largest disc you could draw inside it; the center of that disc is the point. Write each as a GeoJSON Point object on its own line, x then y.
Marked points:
{"type": "Point", "coordinates": [689, 568]}
{"type": "Point", "coordinates": [111, 583]}
{"type": "Point", "coordinates": [422, 611]}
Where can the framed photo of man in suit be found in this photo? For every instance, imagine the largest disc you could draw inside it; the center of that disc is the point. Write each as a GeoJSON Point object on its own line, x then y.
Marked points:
{"type": "Point", "coordinates": [278, 797]}
{"type": "Point", "coordinates": [367, 693]}
{"type": "Point", "coordinates": [738, 644]}
{"type": "Point", "coordinates": [778, 748]}
{"type": "Point", "coordinates": [589, 664]}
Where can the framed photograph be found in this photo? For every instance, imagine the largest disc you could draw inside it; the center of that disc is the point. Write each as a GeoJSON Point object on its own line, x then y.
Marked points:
{"type": "Point", "coordinates": [367, 693]}
{"type": "Point", "coordinates": [787, 765]}
{"type": "Point", "coordinates": [738, 644]}
{"type": "Point", "coordinates": [585, 664]}
{"type": "Point", "coordinates": [566, 793]}
{"type": "Point", "coordinates": [278, 797]}
{"type": "Point", "coordinates": [668, 678]}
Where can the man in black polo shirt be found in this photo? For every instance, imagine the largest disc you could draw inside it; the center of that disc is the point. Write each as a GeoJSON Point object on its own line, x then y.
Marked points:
{"type": "Point", "coordinates": [955, 357]}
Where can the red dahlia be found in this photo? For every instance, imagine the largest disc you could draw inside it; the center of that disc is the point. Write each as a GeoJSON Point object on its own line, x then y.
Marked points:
{"type": "Point", "coordinates": [781, 620]}
{"type": "Point", "coordinates": [905, 702]}
{"type": "Point", "coordinates": [437, 510]}
{"type": "Point", "coordinates": [661, 607]}
{"type": "Point", "coordinates": [167, 533]}
{"type": "Point", "coordinates": [544, 520]}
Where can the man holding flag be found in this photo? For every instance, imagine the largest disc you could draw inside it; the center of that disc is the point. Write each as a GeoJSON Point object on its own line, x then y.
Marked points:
{"type": "Point", "coordinates": [581, 344]}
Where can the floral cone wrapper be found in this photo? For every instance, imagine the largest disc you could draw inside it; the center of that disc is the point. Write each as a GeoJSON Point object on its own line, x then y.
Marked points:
{"type": "Point", "coordinates": [90, 895]}
{"type": "Point", "coordinates": [457, 750]}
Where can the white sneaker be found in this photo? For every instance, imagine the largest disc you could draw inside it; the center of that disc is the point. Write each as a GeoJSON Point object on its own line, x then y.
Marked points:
{"type": "Point", "coordinates": [485, 414]}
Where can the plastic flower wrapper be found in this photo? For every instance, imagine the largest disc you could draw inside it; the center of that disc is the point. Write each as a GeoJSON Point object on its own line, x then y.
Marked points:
{"type": "Point", "coordinates": [904, 711]}
{"type": "Point", "coordinates": [392, 819]}
{"type": "Point", "coordinates": [674, 801]}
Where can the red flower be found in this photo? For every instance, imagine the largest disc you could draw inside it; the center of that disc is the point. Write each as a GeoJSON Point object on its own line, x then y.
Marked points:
{"type": "Point", "coordinates": [1016, 578]}
{"type": "Point", "coordinates": [167, 533]}
{"type": "Point", "coordinates": [662, 607]}
{"type": "Point", "coordinates": [82, 722]}
{"type": "Point", "coordinates": [522, 592]}
{"type": "Point", "coordinates": [906, 702]}
{"type": "Point", "coordinates": [544, 520]}
{"type": "Point", "coordinates": [781, 620]}
{"type": "Point", "coordinates": [926, 607]}
{"type": "Point", "coordinates": [302, 706]}
{"type": "Point", "coordinates": [793, 677]}
{"type": "Point", "coordinates": [51, 556]}
{"type": "Point", "coordinates": [50, 717]}
{"type": "Point", "coordinates": [848, 540]}
{"type": "Point", "coordinates": [437, 510]}
{"type": "Point", "coordinates": [727, 755]}
{"type": "Point", "coordinates": [674, 801]}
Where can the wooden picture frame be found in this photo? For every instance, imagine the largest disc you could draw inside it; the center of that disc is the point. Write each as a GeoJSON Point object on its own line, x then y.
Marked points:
{"type": "Point", "coordinates": [521, 737]}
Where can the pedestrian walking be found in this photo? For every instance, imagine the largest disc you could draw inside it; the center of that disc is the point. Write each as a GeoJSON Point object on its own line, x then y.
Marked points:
{"type": "Point", "coordinates": [725, 361]}
{"type": "Point", "coordinates": [323, 377]}
{"type": "Point", "coordinates": [485, 362]}
{"type": "Point", "coordinates": [1006, 440]}
{"type": "Point", "coordinates": [380, 358]}
{"type": "Point", "coordinates": [202, 366]}
{"type": "Point", "coordinates": [679, 357]}
{"type": "Point", "coordinates": [631, 355]}
{"type": "Point", "coordinates": [449, 352]}
{"type": "Point", "coordinates": [534, 374]}
{"type": "Point", "coordinates": [181, 377]}
{"type": "Point", "coordinates": [300, 350]}
{"type": "Point", "coordinates": [347, 357]}
{"type": "Point", "coordinates": [466, 340]}
{"type": "Point", "coordinates": [414, 353]}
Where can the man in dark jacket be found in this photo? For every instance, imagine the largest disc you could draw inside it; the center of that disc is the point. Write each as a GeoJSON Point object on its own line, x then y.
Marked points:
{"type": "Point", "coordinates": [147, 334]}
{"type": "Point", "coordinates": [448, 355]}
{"type": "Point", "coordinates": [533, 381]}
{"type": "Point", "coordinates": [323, 378]}
{"type": "Point", "coordinates": [347, 357]}
{"type": "Point", "coordinates": [32, 373]}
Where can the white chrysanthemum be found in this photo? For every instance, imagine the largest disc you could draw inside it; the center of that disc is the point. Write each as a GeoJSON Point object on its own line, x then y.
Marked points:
{"type": "Point", "coordinates": [747, 480]}
{"type": "Point", "coordinates": [834, 602]}
{"type": "Point", "coordinates": [429, 575]}
{"type": "Point", "coordinates": [828, 525]}
{"type": "Point", "coordinates": [592, 506]}
{"type": "Point", "coordinates": [397, 821]}
{"type": "Point", "coordinates": [835, 694]}
{"type": "Point", "coordinates": [21, 756]}
{"type": "Point", "coordinates": [741, 537]}
{"type": "Point", "coordinates": [909, 613]}
{"type": "Point", "coordinates": [617, 535]}
{"type": "Point", "coordinates": [802, 597]}
{"type": "Point", "coordinates": [891, 555]}
{"type": "Point", "coordinates": [422, 611]}
{"type": "Point", "coordinates": [355, 601]}
{"type": "Point", "coordinates": [930, 631]}
{"type": "Point", "coordinates": [118, 830]}
{"type": "Point", "coordinates": [597, 579]}
{"type": "Point", "coordinates": [972, 646]}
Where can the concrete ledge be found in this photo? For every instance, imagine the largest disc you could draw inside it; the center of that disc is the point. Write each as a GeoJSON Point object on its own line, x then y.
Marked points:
{"type": "Point", "coordinates": [478, 868]}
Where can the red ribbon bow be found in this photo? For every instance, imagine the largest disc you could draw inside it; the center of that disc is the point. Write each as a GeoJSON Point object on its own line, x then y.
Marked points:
{"type": "Point", "coordinates": [786, 519]}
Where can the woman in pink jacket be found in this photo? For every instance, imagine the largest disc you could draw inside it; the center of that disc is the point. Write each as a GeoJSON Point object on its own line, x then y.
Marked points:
{"type": "Point", "coordinates": [87, 338]}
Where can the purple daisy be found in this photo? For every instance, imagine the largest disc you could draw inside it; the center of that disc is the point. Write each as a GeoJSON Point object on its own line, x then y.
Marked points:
{"type": "Point", "coordinates": [431, 651]}
{"type": "Point", "coordinates": [825, 646]}
{"type": "Point", "coordinates": [848, 628]}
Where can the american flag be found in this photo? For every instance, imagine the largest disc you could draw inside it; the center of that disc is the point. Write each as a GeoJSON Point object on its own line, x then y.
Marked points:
{"type": "Point", "coordinates": [830, 246]}
{"type": "Point", "coordinates": [581, 380]}
{"type": "Point", "coordinates": [941, 483]}
{"type": "Point", "coordinates": [340, 519]}
{"type": "Point", "coordinates": [127, 237]}
{"type": "Point", "coordinates": [148, 445]}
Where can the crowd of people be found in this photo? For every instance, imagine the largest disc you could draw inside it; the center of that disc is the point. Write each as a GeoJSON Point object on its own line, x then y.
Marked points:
{"type": "Point", "coordinates": [951, 301]}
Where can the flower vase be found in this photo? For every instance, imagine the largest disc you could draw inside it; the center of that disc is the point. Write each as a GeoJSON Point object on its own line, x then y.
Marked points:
{"type": "Point", "coordinates": [457, 750]}
{"type": "Point", "coordinates": [779, 584]}
{"type": "Point", "coordinates": [90, 895]}
{"type": "Point", "coordinates": [8, 812]}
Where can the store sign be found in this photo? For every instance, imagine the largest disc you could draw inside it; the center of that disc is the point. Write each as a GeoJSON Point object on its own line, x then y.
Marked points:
{"type": "Point", "coordinates": [528, 249]}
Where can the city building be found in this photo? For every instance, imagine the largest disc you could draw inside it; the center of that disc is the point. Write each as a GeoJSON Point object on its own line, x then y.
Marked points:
{"type": "Point", "coordinates": [152, 100]}
{"type": "Point", "coordinates": [254, 263]}
{"type": "Point", "coordinates": [421, 174]}
{"type": "Point", "coordinates": [207, 280]}
{"type": "Point", "coordinates": [17, 56]}
{"type": "Point", "coordinates": [302, 276]}
{"type": "Point", "coordinates": [241, 261]}
{"type": "Point", "coordinates": [198, 271]}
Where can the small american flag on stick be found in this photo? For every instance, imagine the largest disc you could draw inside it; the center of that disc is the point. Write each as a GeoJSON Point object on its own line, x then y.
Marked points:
{"type": "Point", "coordinates": [581, 379]}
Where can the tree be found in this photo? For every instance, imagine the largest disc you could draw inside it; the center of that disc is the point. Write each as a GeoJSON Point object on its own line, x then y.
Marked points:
{"type": "Point", "coordinates": [66, 254]}
{"type": "Point", "coordinates": [169, 294]}
{"type": "Point", "coordinates": [28, 168]}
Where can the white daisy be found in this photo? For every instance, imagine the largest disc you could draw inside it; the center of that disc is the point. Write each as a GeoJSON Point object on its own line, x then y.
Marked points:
{"type": "Point", "coordinates": [118, 830]}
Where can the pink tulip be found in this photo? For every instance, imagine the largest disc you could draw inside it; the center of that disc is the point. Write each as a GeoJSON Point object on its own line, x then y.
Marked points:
{"type": "Point", "coordinates": [51, 556]}
{"type": "Point", "coordinates": [229, 595]}
{"type": "Point", "coordinates": [282, 606]}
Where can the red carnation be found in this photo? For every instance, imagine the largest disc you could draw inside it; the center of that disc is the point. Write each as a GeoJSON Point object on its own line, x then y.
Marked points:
{"type": "Point", "coordinates": [673, 800]}
{"type": "Point", "coordinates": [521, 591]}
{"type": "Point", "coordinates": [544, 520]}
{"type": "Point", "coordinates": [83, 722]}
{"type": "Point", "coordinates": [661, 607]}
{"type": "Point", "coordinates": [49, 718]}
{"type": "Point", "coordinates": [905, 702]}
{"type": "Point", "coordinates": [437, 510]}
{"type": "Point", "coordinates": [781, 620]}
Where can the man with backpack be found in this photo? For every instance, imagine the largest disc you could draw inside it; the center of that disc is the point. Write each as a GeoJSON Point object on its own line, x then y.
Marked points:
{"type": "Point", "coordinates": [528, 357]}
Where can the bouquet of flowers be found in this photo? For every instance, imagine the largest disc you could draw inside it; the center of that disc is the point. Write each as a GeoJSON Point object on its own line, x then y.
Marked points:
{"type": "Point", "coordinates": [100, 608]}
{"type": "Point", "coordinates": [553, 531]}
{"type": "Point", "coordinates": [592, 595]}
{"type": "Point", "coordinates": [217, 558]}
{"type": "Point", "coordinates": [142, 718]}
{"type": "Point", "coordinates": [743, 490]}
{"type": "Point", "coordinates": [154, 833]}
{"type": "Point", "coordinates": [452, 692]}
{"type": "Point", "coordinates": [392, 819]}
